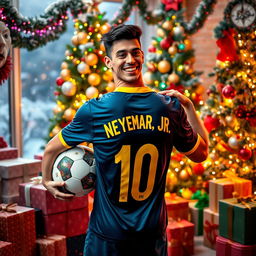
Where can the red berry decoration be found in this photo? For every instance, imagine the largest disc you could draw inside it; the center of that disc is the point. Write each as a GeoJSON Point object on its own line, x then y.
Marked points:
{"type": "Point", "coordinates": [151, 48]}
{"type": "Point", "coordinates": [245, 154]}
{"type": "Point", "coordinates": [229, 92]}
{"type": "Point", "coordinates": [56, 93]}
{"type": "Point", "coordinates": [211, 123]}
{"type": "Point", "coordinates": [91, 29]}
{"type": "Point", "coordinates": [59, 81]}
{"type": "Point", "coordinates": [166, 43]}
{"type": "Point", "coordinates": [198, 169]}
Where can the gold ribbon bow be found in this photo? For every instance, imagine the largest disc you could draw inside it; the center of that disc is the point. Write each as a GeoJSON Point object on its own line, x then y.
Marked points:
{"type": "Point", "coordinates": [37, 180]}
{"type": "Point", "coordinates": [8, 207]}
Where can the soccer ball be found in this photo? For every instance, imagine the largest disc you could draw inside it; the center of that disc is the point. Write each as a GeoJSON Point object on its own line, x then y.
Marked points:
{"type": "Point", "coordinates": [76, 167]}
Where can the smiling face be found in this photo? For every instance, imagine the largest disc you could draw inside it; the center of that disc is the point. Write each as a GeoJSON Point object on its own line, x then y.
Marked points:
{"type": "Point", "coordinates": [5, 43]}
{"type": "Point", "coordinates": [126, 62]}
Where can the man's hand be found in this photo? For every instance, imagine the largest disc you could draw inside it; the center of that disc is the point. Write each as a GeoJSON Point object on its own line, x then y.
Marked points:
{"type": "Point", "coordinates": [52, 187]}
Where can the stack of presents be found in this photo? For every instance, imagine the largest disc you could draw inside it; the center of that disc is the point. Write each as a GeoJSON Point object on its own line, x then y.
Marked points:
{"type": "Point", "coordinates": [32, 221]}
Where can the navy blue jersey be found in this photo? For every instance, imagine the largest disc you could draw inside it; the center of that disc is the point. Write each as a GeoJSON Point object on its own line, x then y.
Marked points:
{"type": "Point", "coordinates": [133, 131]}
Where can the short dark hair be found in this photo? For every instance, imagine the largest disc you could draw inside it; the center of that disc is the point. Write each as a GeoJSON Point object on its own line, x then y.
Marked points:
{"type": "Point", "coordinates": [118, 33]}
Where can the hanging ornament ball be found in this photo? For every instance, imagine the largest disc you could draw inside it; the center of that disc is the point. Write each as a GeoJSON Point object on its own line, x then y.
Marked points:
{"type": "Point", "coordinates": [69, 114]}
{"type": "Point", "coordinates": [92, 59]}
{"type": "Point", "coordinates": [83, 68]}
{"type": "Point", "coordinates": [164, 66]}
{"type": "Point", "coordinates": [82, 38]}
{"type": "Point", "coordinates": [59, 81]}
{"type": "Point", "coordinates": [245, 154]}
{"type": "Point", "coordinates": [108, 75]}
{"type": "Point", "coordinates": [56, 130]}
{"type": "Point", "coordinates": [68, 53]}
{"type": "Point", "coordinates": [166, 43]}
{"type": "Point", "coordinates": [160, 32]}
{"type": "Point", "coordinates": [178, 32]}
{"type": "Point", "coordinates": [91, 29]}
{"type": "Point", "coordinates": [151, 48]}
{"type": "Point", "coordinates": [64, 65]}
{"type": "Point", "coordinates": [151, 66]}
{"type": "Point", "coordinates": [233, 142]}
{"type": "Point", "coordinates": [173, 78]}
{"type": "Point", "coordinates": [105, 28]}
{"type": "Point", "coordinates": [94, 79]}
{"type": "Point", "coordinates": [198, 169]}
{"type": "Point", "coordinates": [181, 47]}
{"type": "Point", "coordinates": [189, 70]}
{"type": "Point", "coordinates": [171, 180]}
{"type": "Point", "coordinates": [68, 89]}
{"type": "Point", "coordinates": [230, 120]}
{"type": "Point", "coordinates": [188, 44]}
{"type": "Point", "coordinates": [184, 175]}
{"type": "Point", "coordinates": [167, 25]}
{"type": "Point", "coordinates": [220, 87]}
{"type": "Point", "coordinates": [110, 87]}
{"type": "Point", "coordinates": [229, 92]}
{"type": "Point", "coordinates": [172, 50]}
{"type": "Point", "coordinates": [186, 193]}
{"type": "Point", "coordinates": [65, 74]}
{"type": "Point", "coordinates": [147, 77]}
{"type": "Point", "coordinates": [211, 123]}
{"type": "Point", "coordinates": [74, 40]}
{"type": "Point", "coordinates": [57, 109]}
{"type": "Point", "coordinates": [91, 92]}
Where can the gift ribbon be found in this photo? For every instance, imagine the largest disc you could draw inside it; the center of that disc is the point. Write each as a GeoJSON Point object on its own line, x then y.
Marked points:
{"type": "Point", "coordinates": [34, 181]}
{"type": "Point", "coordinates": [8, 207]}
{"type": "Point", "coordinates": [210, 230]}
{"type": "Point", "coordinates": [203, 199]}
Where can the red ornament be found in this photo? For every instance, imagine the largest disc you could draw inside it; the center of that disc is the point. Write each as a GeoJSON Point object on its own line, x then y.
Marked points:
{"type": "Point", "coordinates": [206, 185]}
{"type": "Point", "coordinates": [151, 48]}
{"type": "Point", "coordinates": [56, 93]}
{"type": "Point", "coordinates": [240, 112]}
{"type": "Point", "coordinates": [245, 154]}
{"type": "Point", "coordinates": [91, 29]}
{"type": "Point", "coordinates": [166, 43]}
{"type": "Point", "coordinates": [59, 81]}
{"type": "Point", "coordinates": [229, 92]}
{"type": "Point", "coordinates": [198, 169]}
{"type": "Point", "coordinates": [64, 123]}
{"type": "Point", "coordinates": [211, 123]}
{"type": "Point", "coordinates": [252, 122]}
{"type": "Point", "coordinates": [220, 86]}
{"type": "Point", "coordinates": [179, 88]}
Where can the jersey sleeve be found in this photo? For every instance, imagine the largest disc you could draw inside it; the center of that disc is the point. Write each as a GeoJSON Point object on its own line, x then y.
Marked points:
{"type": "Point", "coordinates": [185, 139]}
{"type": "Point", "coordinates": [80, 129]}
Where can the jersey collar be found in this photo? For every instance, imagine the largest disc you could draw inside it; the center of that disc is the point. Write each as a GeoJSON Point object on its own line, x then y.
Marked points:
{"type": "Point", "coordinates": [133, 89]}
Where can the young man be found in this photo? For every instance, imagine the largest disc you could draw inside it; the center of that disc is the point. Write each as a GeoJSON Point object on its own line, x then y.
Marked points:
{"type": "Point", "coordinates": [133, 130]}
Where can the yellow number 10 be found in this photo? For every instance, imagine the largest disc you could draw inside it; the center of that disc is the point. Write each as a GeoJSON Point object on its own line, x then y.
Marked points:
{"type": "Point", "coordinates": [124, 156]}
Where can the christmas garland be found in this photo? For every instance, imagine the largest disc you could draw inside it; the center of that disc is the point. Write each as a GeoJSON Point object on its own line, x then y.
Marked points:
{"type": "Point", "coordinates": [32, 33]}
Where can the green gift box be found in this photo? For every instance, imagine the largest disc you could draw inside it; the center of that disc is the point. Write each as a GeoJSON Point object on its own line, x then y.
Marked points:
{"type": "Point", "coordinates": [237, 220]}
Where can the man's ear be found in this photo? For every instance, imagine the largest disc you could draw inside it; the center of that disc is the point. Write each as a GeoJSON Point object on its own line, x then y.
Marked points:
{"type": "Point", "coordinates": [108, 62]}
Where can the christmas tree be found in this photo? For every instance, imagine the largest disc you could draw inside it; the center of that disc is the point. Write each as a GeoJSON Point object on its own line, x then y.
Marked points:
{"type": "Point", "coordinates": [230, 113]}
{"type": "Point", "coordinates": [170, 66]}
{"type": "Point", "coordinates": [83, 73]}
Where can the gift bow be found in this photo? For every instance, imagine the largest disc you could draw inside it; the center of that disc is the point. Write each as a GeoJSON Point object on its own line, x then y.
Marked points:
{"type": "Point", "coordinates": [210, 230]}
{"type": "Point", "coordinates": [171, 4]}
{"type": "Point", "coordinates": [203, 199]}
{"type": "Point", "coordinates": [8, 207]}
{"type": "Point", "coordinates": [37, 180]}
{"type": "Point", "coordinates": [246, 200]}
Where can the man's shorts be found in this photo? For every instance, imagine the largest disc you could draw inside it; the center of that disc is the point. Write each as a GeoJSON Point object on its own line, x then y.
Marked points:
{"type": "Point", "coordinates": [96, 246]}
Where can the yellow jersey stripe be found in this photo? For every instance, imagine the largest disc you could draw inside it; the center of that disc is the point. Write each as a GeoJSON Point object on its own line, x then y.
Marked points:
{"type": "Point", "coordinates": [133, 89]}
{"type": "Point", "coordinates": [195, 147]}
{"type": "Point", "coordinates": [63, 142]}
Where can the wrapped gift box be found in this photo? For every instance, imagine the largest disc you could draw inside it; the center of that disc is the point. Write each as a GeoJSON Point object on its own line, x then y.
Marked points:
{"type": "Point", "coordinates": [75, 245]}
{"type": "Point", "coordinates": [211, 228]}
{"type": "Point", "coordinates": [53, 245]}
{"type": "Point", "coordinates": [37, 196]}
{"type": "Point", "coordinates": [70, 223]}
{"type": "Point", "coordinates": [196, 217]}
{"type": "Point", "coordinates": [224, 188]}
{"type": "Point", "coordinates": [180, 236]}
{"type": "Point", "coordinates": [237, 221]}
{"type": "Point", "coordinates": [177, 207]}
{"type": "Point", "coordinates": [6, 249]}
{"type": "Point", "coordinates": [226, 247]}
{"type": "Point", "coordinates": [8, 153]}
{"type": "Point", "coordinates": [17, 225]}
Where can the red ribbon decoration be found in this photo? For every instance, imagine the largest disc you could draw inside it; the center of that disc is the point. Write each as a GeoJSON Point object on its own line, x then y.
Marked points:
{"type": "Point", "coordinates": [8, 207]}
{"type": "Point", "coordinates": [5, 70]}
{"type": "Point", "coordinates": [171, 4]}
{"type": "Point", "coordinates": [210, 230]}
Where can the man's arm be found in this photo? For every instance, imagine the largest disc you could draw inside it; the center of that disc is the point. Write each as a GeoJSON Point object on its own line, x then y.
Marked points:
{"type": "Point", "coordinates": [52, 150]}
{"type": "Point", "coordinates": [201, 153]}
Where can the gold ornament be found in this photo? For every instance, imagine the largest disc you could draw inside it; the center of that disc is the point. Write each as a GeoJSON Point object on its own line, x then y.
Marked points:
{"type": "Point", "coordinates": [68, 53]}
{"type": "Point", "coordinates": [172, 50]}
{"type": "Point", "coordinates": [178, 30]}
{"type": "Point", "coordinates": [91, 92]}
{"type": "Point", "coordinates": [105, 28]}
{"type": "Point", "coordinates": [189, 70]}
{"type": "Point", "coordinates": [164, 66]}
{"type": "Point", "coordinates": [167, 25]}
{"type": "Point", "coordinates": [184, 175]}
{"type": "Point", "coordinates": [65, 74]}
{"type": "Point", "coordinates": [220, 64]}
{"type": "Point", "coordinates": [94, 79]}
{"type": "Point", "coordinates": [92, 59]}
{"type": "Point", "coordinates": [74, 40]}
{"type": "Point", "coordinates": [188, 44]}
{"type": "Point", "coordinates": [82, 38]}
{"type": "Point", "coordinates": [110, 87]}
{"type": "Point", "coordinates": [160, 32]}
{"type": "Point", "coordinates": [68, 89]}
{"type": "Point", "coordinates": [64, 65]}
{"type": "Point", "coordinates": [186, 193]}
{"type": "Point", "coordinates": [57, 109]}
{"type": "Point", "coordinates": [171, 180]}
{"type": "Point", "coordinates": [200, 89]}
{"type": "Point", "coordinates": [83, 68]}
{"type": "Point", "coordinates": [56, 130]}
{"type": "Point", "coordinates": [173, 78]}
{"type": "Point", "coordinates": [74, 61]}
{"type": "Point", "coordinates": [69, 114]}
{"type": "Point", "coordinates": [108, 75]}
{"type": "Point", "coordinates": [154, 42]}
{"type": "Point", "coordinates": [147, 77]}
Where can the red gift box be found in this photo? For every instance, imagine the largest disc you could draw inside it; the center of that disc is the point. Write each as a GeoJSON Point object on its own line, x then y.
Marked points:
{"type": "Point", "coordinates": [180, 236]}
{"type": "Point", "coordinates": [17, 225]}
{"type": "Point", "coordinates": [177, 207]}
{"type": "Point", "coordinates": [226, 247]}
{"type": "Point", "coordinates": [71, 223]}
{"type": "Point", "coordinates": [6, 249]}
{"type": "Point", "coordinates": [8, 153]}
